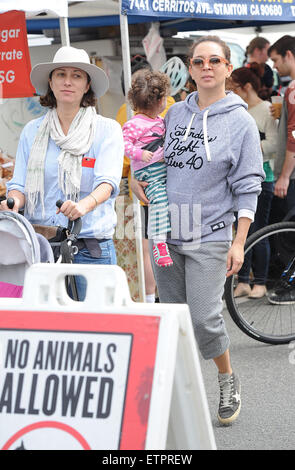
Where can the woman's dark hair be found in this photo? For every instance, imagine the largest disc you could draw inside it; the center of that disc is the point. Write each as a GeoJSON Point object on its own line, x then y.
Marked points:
{"type": "Point", "coordinates": [251, 74]}
{"type": "Point", "coordinates": [49, 101]}
{"type": "Point", "coordinates": [217, 40]}
{"type": "Point", "coordinates": [147, 88]}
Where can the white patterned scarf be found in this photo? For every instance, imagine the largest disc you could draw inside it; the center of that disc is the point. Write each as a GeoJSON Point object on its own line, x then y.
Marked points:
{"type": "Point", "coordinates": [73, 146]}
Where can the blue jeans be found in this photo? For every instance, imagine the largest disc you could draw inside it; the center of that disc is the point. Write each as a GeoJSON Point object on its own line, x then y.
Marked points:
{"type": "Point", "coordinates": [108, 256]}
{"type": "Point", "coordinates": [258, 257]}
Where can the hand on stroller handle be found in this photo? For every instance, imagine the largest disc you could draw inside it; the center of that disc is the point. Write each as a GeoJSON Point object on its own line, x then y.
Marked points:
{"type": "Point", "coordinates": [73, 226]}
{"type": "Point", "coordinates": [40, 244]}
{"type": "Point", "coordinates": [10, 202]}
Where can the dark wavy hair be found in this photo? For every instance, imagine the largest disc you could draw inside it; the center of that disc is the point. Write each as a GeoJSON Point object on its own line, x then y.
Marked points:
{"type": "Point", "coordinates": [251, 74]}
{"type": "Point", "coordinates": [49, 101]}
{"type": "Point", "coordinates": [282, 45]}
{"type": "Point", "coordinates": [147, 88]}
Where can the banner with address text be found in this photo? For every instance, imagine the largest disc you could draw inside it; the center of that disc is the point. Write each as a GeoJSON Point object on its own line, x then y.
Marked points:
{"type": "Point", "coordinates": [15, 63]}
{"type": "Point", "coordinates": [256, 10]}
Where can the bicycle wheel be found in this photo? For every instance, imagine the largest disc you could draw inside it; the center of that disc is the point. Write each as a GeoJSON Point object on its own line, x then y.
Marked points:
{"type": "Point", "coordinates": [258, 318]}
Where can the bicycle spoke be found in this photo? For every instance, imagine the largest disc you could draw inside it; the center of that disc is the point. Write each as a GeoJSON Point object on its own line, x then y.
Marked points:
{"type": "Point", "coordinates": [259, 318]}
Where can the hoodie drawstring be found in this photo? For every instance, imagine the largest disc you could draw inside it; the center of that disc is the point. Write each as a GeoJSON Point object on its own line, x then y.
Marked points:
{"type": "Point", "coordinates": [206, 135]}
{"type": "Point", "coordinates": [207, 149]}
{"type": "Point", "coordinates": [188, 128]}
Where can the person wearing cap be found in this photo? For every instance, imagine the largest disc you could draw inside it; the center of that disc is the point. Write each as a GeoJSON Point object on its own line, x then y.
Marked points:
{"type": "Point", "coordinates": [73, 154]}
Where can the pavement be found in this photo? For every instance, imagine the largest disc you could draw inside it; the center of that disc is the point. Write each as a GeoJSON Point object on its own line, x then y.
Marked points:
{"type": "Point", "coordinates": [267, 375]}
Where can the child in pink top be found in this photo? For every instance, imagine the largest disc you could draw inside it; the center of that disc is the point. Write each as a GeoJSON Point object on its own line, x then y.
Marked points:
{"type": "Point", "coordinates": [144, 136]}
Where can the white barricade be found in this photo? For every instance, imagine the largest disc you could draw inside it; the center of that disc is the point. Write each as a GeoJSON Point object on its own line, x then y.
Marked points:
{"type": "Point", "coordinates": [106, 373]}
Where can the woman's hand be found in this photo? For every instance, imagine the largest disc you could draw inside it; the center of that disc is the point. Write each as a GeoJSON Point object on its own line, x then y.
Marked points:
{"type": "Point", "coordinates": [235, 258]}
{"type": "Point", "coordinates": [137, 187]}
{"type": "Point", "coordinates": [281, 187]}
{"type": "Point", "coordinates": [17, 205]}
{"type": "Point", "coordinates": [73, 210]}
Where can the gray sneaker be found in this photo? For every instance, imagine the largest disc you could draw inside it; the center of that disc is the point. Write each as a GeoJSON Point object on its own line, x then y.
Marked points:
{"type": "Point", "coordinates": [230, 398]}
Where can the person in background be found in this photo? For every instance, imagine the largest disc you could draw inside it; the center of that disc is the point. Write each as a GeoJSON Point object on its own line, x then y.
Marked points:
{"type": "Point", "coordinates": [282, 53]}
{"type": "Point", "coordinates": [246, 82]}
{"type": "Point", "coordinates": [72, 154]}
{"type": "Point", "coordinates": [189, 87]}
{"type": "Point", "coordinates": [256, 51]}
{"type": "Point", "coordinates": [213, 156]}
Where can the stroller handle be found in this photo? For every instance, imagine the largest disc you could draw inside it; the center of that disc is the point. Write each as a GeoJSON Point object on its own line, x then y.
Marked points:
{"type": "Point", "coordinates": [10, 202]}
{"type": "Point", "coordinates": [75, 226]}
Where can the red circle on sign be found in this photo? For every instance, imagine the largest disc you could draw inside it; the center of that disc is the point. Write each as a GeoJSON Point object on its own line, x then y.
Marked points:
{"type": "Point", "coordinates": [47, 424]}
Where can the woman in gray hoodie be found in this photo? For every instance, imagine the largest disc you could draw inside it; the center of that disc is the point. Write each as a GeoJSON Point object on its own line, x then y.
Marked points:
{"type": "Point", "coordinates": [214, 167]}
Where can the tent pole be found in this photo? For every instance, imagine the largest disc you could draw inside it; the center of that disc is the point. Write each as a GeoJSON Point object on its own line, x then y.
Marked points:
{"type": "Point", "coordinates": [136, 205]}
{"type": "Point", "coordinates": [64, 31]}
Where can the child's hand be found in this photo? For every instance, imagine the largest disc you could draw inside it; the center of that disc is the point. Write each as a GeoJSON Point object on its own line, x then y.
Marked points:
{"type": "Point", "coordinates": [147, 156]}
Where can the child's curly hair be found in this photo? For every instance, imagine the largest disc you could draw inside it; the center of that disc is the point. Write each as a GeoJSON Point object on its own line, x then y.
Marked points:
{"type": "Point", "coordinates": [147, 88]}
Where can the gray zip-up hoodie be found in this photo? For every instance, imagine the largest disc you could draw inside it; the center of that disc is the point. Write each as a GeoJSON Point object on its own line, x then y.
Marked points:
{"type": "Point", "coordinates": [214, 167]}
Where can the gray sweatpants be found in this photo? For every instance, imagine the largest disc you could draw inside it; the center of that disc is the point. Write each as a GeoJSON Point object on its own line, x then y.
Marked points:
{"type": "Point", "coordinates": [197, 278]}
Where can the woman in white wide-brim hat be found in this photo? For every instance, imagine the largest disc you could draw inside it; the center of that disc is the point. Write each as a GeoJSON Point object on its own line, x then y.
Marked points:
{"type": "Point", "coordinates": [71, 153]}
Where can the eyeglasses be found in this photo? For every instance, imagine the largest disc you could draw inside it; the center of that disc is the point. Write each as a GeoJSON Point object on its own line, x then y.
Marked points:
{"type": "Point", "coordinates": [213, 62]}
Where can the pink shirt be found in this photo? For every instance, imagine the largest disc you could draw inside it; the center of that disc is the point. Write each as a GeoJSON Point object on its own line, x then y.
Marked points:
{"type": "Point", "coordinates": [141, 131]}
{"type": "Point", "coordinates": [290, 101]}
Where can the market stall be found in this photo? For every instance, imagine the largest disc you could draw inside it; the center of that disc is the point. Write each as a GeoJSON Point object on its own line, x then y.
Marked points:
{"type": "Point", "coordinates": [16, 66]}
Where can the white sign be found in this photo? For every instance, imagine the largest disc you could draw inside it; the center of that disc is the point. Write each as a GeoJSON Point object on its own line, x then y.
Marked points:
{"type": "Point", "coordinates": [106, 373]}
{"type": "Point", "coordinates": [78, 379]}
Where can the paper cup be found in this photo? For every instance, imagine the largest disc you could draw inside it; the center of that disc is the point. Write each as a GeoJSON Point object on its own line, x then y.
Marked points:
{"type": "Point", "coordinates": [277, 99]}
{"type": "Point", "coordinates": [277, 103]}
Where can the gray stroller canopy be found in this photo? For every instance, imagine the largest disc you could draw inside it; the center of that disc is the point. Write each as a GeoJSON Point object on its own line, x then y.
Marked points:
{"type": "Point", "coordinates": [20, 247]}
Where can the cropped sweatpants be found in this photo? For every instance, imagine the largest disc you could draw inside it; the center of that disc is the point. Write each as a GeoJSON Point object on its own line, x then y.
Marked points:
{"type": "Point", "coordinates": [197, 278]}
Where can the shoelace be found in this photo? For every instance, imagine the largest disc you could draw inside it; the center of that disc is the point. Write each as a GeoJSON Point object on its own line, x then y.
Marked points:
{"type": "Point", "coordinates": [226, 393]}
{"type": "Point", "coordinates": [162, 249]}
{"type": "Point", "coordinates": [283, 285]}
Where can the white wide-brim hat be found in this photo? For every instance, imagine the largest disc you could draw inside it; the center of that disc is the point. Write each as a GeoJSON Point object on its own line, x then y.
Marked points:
{"type": "Point", "coordinates": [68, 56]}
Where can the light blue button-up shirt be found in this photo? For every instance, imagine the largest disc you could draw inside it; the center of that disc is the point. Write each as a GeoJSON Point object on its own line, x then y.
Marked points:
{"type": "Point", "coordinates": [107, 150]}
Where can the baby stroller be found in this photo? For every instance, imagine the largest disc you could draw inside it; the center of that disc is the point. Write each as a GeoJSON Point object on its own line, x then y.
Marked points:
{"type": "Point", "coordinates": [22, 245]}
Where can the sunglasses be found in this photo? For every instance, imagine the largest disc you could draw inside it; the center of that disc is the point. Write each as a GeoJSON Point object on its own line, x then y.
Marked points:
{"type": "Point", "coordinates": [213, 62]}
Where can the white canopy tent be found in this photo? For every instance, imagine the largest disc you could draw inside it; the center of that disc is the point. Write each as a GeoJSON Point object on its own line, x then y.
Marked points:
{"type": "Point", "coordinates": [32, 8]}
